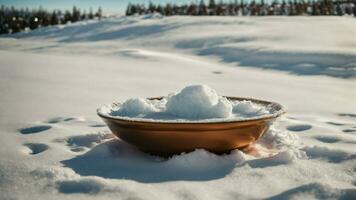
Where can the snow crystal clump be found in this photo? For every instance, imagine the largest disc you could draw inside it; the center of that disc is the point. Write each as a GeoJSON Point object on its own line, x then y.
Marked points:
{"type": "Point", "coordinates": [199, 102]}
{"type": "Point", "coordinates": [289, 156]}
{"type": "Point", "coordinates": [135, 107]}
{"type": "Point", "coordinates": [202, 160]}
{"type": "Point", "coordinates": [54, 172]}
{"type": "Point", "coordinates": [286, 142]}
{"type": "Point", "coordinates": [278, 139]}
{"type": "Point", "coordinates": [247, 108]}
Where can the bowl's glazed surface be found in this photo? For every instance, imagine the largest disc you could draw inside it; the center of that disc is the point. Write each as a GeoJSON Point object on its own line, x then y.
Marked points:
{"type": "Point", "coordinates": [169, 138]}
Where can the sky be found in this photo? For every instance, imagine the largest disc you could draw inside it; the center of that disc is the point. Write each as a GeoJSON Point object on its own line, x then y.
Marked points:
{"type": "Point", "coordinates": [111, 6]}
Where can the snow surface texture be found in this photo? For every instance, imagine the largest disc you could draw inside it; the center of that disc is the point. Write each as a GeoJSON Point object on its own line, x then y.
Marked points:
{"type": "Point", "coordinates": [193, 103]}
{"type": "Point", "coordinates": [53, 146]}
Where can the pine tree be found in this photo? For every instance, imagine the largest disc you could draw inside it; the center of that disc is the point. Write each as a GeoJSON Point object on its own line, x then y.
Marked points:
{"type": "Point", "coordinates": [84, 15]}
{"type": "Point", "coordinates": [192, 9]}
{"type": "Point", "coordinates": [284, 8]}
{"type": "Point", "coordinates": [168, 10]}
{"type": "Point", "coordinates": [252, 8]}
{"type": "Point", "coordinates": [202, 10]}
{"type": "Point", "coordinates": [67, 16]}
{"type": "Point", "coordinates": [99, 13]}
{"type": "Point", "coordinates": [175, 10]}
{"type": "Point", "coordinates": [212, 7]}
{"type": "Point", "coordinates": [316, 10]}
{"type": "Point", "coordinates": [54, 18]}
{"type": "Point", "coordinates": [128, 10]}
{"type": "Point", "coordinates": [91, 15]}
{"type": "Point", "coordinates": [220, 8]}
{"type": "Point", "coordinates": [75, 14]}
{"type": "Point", "coordinates": [151, 7]}
{"type": "Point", "coordinates": [160, 9]}
{"type": "Point", "coordinates": [33, 22]}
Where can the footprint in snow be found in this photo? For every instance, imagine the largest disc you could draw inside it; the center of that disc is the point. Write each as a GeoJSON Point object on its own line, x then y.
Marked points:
{"type": "Point", "coordinates": [331, 139]}
{"type": "Point", "coordinates": [349, 130]}
{"type": "Point", "coordinates": [217, 72]}
{"type": "Point", "coordinates": [77, 119]}
{"type": "Point", "coordinates": [78, 149]}
{"type": "Point", "coordinates": [36, 148]}
{"type": "Point", "coordinates": [330, 155]}
{"type": "Point", "coordinates": [86, 185]}
{"type": "Point", "coordinates": [88, 140]}
{"type": "Point", "coordinates": [81, 143]}
{"type": "Point", "coordinates": [336, 123]}
{"type": "Point", "coordinates": [299, 128]}
{"type": "Point", "coordinates": [35, 129]}
{"type": "Point", "coordinates": [293, 118]}
{"type": "Point", "coordinates": [347, 115]}
{"type": "Point", "coordinates": [327, 139]}
{"type": "Point", "coordinates": [69, 119]}
{"type": "Point", "coordinates": [55, 120]}
{"type": "Point", "coordinates": [97, 125]}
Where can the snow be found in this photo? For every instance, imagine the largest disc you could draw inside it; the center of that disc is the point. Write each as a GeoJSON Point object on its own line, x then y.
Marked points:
{"type": "Point", "coordinates": [54, 146]}
{"type": "Point", "coordinates": [249, 109]}
{"type": "Point", "coordinates": [192, 103]}
{"type": "Point", "coordinates": [135, 107]}
{"type": "Point", "coordinates": [199, 102]}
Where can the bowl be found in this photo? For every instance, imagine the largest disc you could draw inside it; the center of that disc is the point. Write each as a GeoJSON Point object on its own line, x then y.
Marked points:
{"type": "Point", "coordinates": [165, 138]}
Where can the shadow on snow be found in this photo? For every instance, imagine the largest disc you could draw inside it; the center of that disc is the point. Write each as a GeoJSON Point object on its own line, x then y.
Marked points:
{"type": "Point", "coordinates": [118, 160]}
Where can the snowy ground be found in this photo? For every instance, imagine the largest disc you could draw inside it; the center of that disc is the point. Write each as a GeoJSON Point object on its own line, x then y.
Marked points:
{"type": "Point", "coordinates": [53, 146]}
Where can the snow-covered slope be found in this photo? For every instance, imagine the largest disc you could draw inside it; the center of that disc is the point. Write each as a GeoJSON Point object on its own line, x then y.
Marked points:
{"type": "Point", "coordinates": [300, 45]}
{"type": "Point", "coordinates": [53, 146]}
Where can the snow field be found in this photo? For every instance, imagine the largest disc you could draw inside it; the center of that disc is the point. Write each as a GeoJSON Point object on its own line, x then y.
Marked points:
{"type": "Point", "coordinates": [53, 146]}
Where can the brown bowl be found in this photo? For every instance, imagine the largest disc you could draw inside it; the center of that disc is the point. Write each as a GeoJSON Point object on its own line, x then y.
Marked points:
{"type": "Point", "coordinates": [166, 138]}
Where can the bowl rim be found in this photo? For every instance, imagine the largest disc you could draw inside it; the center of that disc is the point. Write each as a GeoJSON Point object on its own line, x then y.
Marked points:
{"type": "Point", "coordinates": [278, 113]}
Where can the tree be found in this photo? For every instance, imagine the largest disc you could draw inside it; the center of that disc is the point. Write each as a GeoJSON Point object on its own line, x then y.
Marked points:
{"type": "Point", "coordinates": [99, 13]}
{"type": "Point", "coordinates": [160, 9]}
{"type": "Point", "coordinates": [220, 10]}
{"type": "Point", "coordinates": [91, 15]}
{"type": "Point", "coordinates": [212, 7]}
{"type": "Point", "coordinates": [202, 10]}
{"type": "Point", "coordinates": [75, 14]}
{"type": "Point", "coordinates": [168, 10]}
{"type": "Point", "coordinates": [253, 8]}
{"type": "Point", "coordinates": [67, 16]}
{"type": "Point", "coordinates": [84, 16]}
{"type": "Point", "coordinates": [151, 7]}
{"type": "Point", "coordinates": [175, 10]}
{"type": "Point", "coordinates": [33, 22]}
{"type": "Point", "coordinates": [192, 9]}
{"type": "Point", "coordinates": [54, 18]}
{"type": "Point", "coordinates": [14, 20]}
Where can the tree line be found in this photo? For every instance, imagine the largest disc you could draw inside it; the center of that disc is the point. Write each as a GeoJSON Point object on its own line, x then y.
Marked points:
{"type": "Point", "coordinates": [14, 20]}
{"type": "Point", "coordinates": [250, 8]}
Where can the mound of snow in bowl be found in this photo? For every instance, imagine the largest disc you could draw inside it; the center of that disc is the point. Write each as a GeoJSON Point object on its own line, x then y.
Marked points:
{"type": "Point", "coordinates": [192, 103]}
{"type": "Point", "coordinates": [199, 102]}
